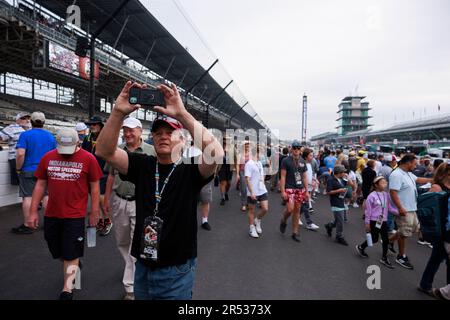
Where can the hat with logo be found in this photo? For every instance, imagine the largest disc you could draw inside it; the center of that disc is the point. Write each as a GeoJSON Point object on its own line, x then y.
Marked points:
{"type": "Point", "coordinates": [163, 119]}
{"type": "Point", "coordinates": [132, 123]}
{"type": "Point", "coordinates": [67, 141]}
{"type": "Point", "coordinates": [22, 115]}
{"type": "Point", "coordinates": [38, 116]}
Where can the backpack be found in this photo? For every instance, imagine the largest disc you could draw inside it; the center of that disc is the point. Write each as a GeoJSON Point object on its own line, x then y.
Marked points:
{"type": "Point", "coordinates": [432, 208]}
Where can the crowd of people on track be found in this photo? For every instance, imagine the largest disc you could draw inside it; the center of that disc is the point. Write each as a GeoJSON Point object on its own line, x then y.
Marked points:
{"type": "Point", "coordinates": [149, 193]}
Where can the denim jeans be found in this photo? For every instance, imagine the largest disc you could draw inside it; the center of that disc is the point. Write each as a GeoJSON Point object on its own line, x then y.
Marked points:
{"type": "Point", "coordinates": [168, 283]}
{"type": "Point", "coordinates": [243, 188]}
{"type": "Point", "coordinates": [438, 255]}
{"type": "Point", "coordinates": [390, 222]}
{"type": "Point", "coordinates": [305, 212]}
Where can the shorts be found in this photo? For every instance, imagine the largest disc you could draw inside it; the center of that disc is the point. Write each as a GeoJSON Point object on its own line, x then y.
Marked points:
{"type": "Point", "coordinates": [27, 181]}
{"type": "Point", "coordinates": [260, 198]}
{"type": "Point", "coordinates": [407, 225]}
{"type": "Point", "coordinates": [296, 195]}
{"type": "Point", "coordinates": [225, 173]}
{"type": "Point", "coordinates": [205, 195]}
{"type": "Point", "coordinates": [103, 184]}
{"type": "Point", "coordinates": [13, 172]}
{"type": "Point", "coordinates": [65, 237]}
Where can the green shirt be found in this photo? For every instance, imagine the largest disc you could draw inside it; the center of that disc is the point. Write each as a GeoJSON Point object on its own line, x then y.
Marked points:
{"type": "Point", "coordinates": [125, 188]}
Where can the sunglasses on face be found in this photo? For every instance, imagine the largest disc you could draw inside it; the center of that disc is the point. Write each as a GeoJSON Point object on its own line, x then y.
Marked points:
{"type": "Point", "coordinates": [296, 148]}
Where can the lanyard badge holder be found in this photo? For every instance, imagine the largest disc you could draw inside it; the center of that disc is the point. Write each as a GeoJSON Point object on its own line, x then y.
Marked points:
{"type": "Point", "coordinates": [151, 235]}
{"type": "Point", "coordinates": [380, 217]}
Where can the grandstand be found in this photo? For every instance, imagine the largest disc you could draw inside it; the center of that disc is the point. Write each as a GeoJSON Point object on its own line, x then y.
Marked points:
{"type": "Point", "coordinates": [39, 70]}
{"type": "Point", "coordinates": [433, 130]}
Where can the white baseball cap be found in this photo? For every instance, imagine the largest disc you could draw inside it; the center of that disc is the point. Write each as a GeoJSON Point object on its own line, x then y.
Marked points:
{"type": "Point", "coordinates": [132, 123]}
{"type": "Point", "coordinates": [38, 116]}
{"type": "Point", "coordinates": [67, 141]}
{"type": "Point", "coordinates": [81, 126]}
{"type": "Point", "coordinates": [22, 115]}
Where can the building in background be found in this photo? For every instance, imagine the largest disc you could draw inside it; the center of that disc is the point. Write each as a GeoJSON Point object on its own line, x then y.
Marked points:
{"type": "Point", "coordinates": [353, 115]}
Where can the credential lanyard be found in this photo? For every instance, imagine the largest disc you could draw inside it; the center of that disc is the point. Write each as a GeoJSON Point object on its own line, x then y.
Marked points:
{"type": "Point", "coordinates": [158, 195]}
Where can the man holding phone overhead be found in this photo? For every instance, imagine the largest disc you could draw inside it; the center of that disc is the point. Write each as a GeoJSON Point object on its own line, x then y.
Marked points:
{"type": "Point", "coordinates": [165, 237]}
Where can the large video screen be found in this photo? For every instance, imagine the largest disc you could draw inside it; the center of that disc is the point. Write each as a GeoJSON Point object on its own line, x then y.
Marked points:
{"type": "Point", "coordinates": [67, 61]}
{"type": "Point", "coordinates": [63, 59]}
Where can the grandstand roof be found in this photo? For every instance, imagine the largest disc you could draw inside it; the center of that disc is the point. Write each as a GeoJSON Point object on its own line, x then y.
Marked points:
{"type": "Point", "coordinates": [168, 56]}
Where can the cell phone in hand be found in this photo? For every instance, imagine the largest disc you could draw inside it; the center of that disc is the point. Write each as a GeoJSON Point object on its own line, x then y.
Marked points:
{"type": "Point", "coordinates": [146, 97]}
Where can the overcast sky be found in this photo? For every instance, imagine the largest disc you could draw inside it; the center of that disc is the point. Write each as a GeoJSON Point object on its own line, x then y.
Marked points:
{"type": "Point", "coordinates": [395, 52]}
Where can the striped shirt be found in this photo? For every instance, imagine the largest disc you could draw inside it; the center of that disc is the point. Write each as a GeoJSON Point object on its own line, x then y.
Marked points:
{"type": "Point", "coordinates": [11, 134]}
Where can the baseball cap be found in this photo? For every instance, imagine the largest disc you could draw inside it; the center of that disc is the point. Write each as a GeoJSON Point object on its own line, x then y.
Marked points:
{"type": "Point", "coordinates": [81, 126]}
{"type": "Point", "coordinates": [22, 115]}
{"type": "Point", "coordinates": [296, 144]}
{"type": "Point", "coordinates": [361, 152]}
{"type": "Point", "coordinates": [38, 116]}
{"type": "Point", "coordinates": [67, 141]}
{"type": "Point", "coordinates": [339, 169]}
{"type": "Point", "coordinates": [95, 120]}
{"type": "Point", "coordinates": [132, 123]}
{"type": "Point", "coordinates": [163, 119]}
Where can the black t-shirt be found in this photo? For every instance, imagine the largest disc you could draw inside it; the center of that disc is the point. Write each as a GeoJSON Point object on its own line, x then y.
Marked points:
{"type": "Point", "coordinates": [334, 183]}
{"type": "Point", "coordinates": [178, 207]}
{"type": "Point", "coordinates": [291, 166]}
{"type": "Point", "coordinates": [368, 175]}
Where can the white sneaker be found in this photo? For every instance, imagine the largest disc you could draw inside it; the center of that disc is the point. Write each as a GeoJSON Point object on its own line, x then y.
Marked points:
{"type": "Point", "coordinates": [312, 227]}
{"type": "Point", "coordinates": [258, 226]}
{"type": "Point", "coordinates": [300, 223]}
{"type": "Point", "coordinates": [253, 232]}
{"type": "Point", "coordinates": [355, 205]}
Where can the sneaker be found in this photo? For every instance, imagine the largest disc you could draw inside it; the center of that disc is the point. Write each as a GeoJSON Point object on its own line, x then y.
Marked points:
{"type": "Point", "coordinates": [311, 210]}
{"type": "Point", "coordinates": [107, 227]}
{"type": "Point", "coordinates": [258, 226]}
{"type": "Point", "coordinates": [312, 227]}
{"type": "Point", "coordinates": [283, 226]}
{"type": "Point", "coordinates": [329, 229]}
{"type": "Point", "coordinates": [355, 205]}
{"type": "Point", "coordinates": [438, 294]}
{"type": "Point", "coordinates": [300, 223]}
{"type": "Point", "coordinates": [206, 226]}
{"type": "Point", "coordinates": [387, 263]}
{"type": "Point", "coordinates": [222, 202]}
{"type": "Point", "coordinates": [404, 262]}
{"type": "Point", "coordinates": [226, 197]}
{"type": "Point", "coordinates": [253, 232]}
{"type": "Point", "coordinates": [22, 229]}
{"type": "Point", "coordinates": [427, 292]}
{"type": "Point", "coordinates": [361, 252]}
{"type": "Point", "coordinates": [391, 249]}
{"type": "Point", "coordinates": [243, 208]}
{"type": "Point", "coordinates": [66, 295]}
{"type": "Point", "coordinates": [295, 237]}
{"type": "Point", "coordinates": [128, 296]}
{"type": "Point", "coordinates": [423, 242]}
{"type": "Point", "coordinates": [342, 241]}
{"type": "Point", "coordinates": [100, 225]}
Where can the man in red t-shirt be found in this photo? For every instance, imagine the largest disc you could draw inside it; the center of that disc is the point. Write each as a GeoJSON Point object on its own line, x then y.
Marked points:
{"type": "Point", "coordinates": [68, 172]}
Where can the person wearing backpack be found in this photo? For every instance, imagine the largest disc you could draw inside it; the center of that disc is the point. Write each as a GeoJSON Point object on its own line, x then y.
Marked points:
{"type": "Point", "coordinates": [441, 246]}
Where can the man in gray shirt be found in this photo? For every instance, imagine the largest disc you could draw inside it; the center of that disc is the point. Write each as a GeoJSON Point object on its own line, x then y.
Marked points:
{"type": "Point", "coordinates": [403, 191]}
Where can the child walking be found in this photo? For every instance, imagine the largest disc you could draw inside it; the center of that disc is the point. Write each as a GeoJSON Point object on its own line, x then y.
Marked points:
{"type": "Point", "coordinates": [377, 206]}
